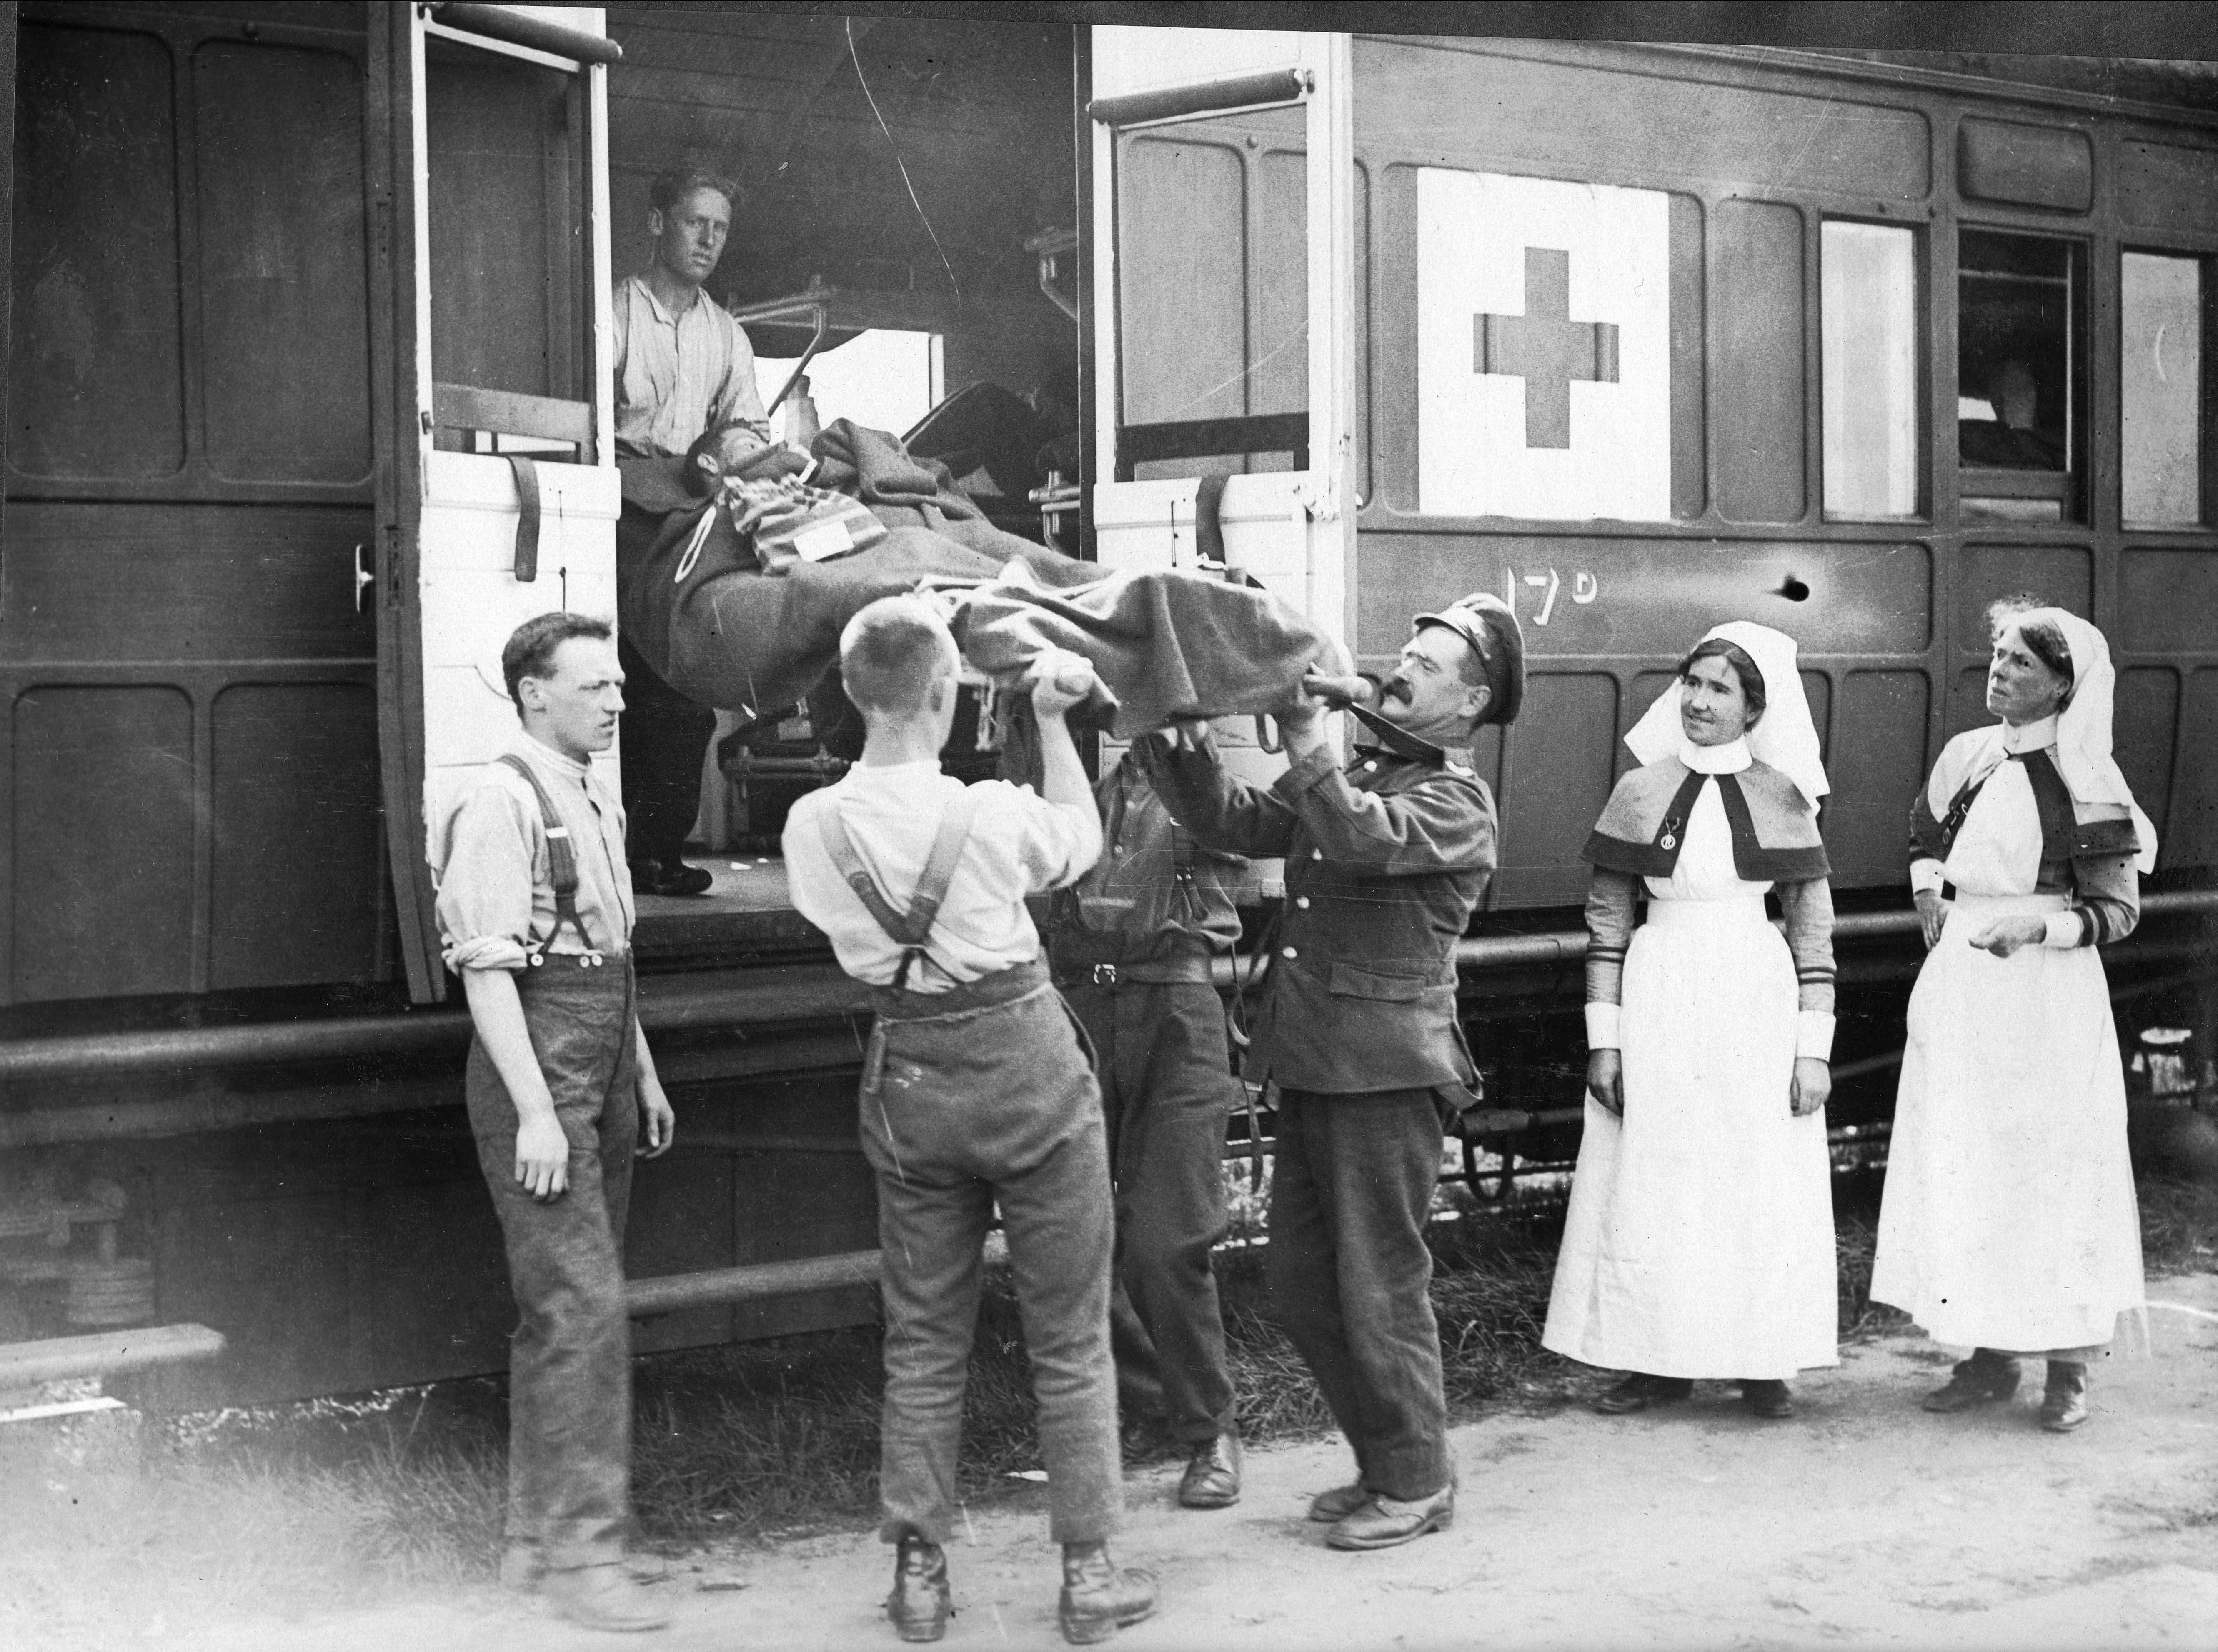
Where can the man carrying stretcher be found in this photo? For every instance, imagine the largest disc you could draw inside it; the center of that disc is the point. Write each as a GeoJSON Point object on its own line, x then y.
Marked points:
{"type": "Point", "coordinates": [976, 1091]}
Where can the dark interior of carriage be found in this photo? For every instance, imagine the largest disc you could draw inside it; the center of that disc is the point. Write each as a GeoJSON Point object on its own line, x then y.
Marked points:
{"type": "Point", "coordinates": [195, 421]}
{"type": "Point", "coordinates": [2021, 372]}
{"type": "Point", "coordinates": [905, 183]}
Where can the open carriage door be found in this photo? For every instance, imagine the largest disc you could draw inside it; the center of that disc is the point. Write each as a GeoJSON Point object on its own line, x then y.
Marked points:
{"type": "Point", "coordinates": [497, 493]}
{"type": "Point", "coordinates": [1224, 219]}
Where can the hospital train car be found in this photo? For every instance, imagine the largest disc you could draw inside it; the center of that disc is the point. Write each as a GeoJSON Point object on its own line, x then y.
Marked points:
{"type": "Point", "coordinates": [1638, 338]}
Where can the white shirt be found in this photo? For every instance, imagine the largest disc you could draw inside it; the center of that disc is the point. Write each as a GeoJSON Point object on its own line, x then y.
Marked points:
{"type": "Point", "coordinates": [1020, 845]}
{"type": "Point", "coordinates": [489, 858]}
{"type": "Point", "coordinates": [677, 377]}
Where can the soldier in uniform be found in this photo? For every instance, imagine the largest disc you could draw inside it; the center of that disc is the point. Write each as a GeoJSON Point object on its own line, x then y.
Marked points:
{"type": "Point", "coordinates": [1386, 860]}
{"type": "Point", "coordinates": [1132, 948]}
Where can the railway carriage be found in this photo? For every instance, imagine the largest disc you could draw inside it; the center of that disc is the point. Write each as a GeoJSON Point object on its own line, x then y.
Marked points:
{"type": "Point", "coordinates": [309, 403]}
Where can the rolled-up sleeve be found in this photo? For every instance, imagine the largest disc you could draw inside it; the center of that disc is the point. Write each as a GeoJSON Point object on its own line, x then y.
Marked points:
{"type": "Point", "coordinates": [1057, 844]}
{"type": "Point", "coordinates": [485, 889]}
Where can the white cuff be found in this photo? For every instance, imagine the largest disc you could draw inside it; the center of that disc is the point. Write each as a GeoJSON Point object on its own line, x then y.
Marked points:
{"type": "Point", "coordinates": [1927, 875]}
{"type": "Point", "coordinates": [1813, 1034]}
{"type": "Point", "coordinates": [2066, 929]}
{"type": "Point", "coordinates": [1602, 1026]}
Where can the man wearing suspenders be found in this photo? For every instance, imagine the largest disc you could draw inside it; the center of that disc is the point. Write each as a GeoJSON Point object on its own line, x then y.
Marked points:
{"type": "Point", "coordinates": [976, 1093]}
{"type": "Point", "coordinates": [1133, 945]}
{"type": "Point", "coordinates": [536, 911]}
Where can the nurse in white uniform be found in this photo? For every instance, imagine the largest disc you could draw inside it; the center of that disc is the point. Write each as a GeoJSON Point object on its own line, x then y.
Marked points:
{"type": "Point", "coordinates": [2007, 1224]}
{"type": "Point", "coordinates": [1700, 1238]}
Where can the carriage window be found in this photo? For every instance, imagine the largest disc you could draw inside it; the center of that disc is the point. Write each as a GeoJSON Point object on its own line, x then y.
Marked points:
{"type": "Point", "coordinates": [2021, 376]}
{"type": "Point", "coordinates": [2160, 390]}
{"type": "Point", "coordinates": [1867, 308]}
{"type": "Point", "coordinates": [884, 379]}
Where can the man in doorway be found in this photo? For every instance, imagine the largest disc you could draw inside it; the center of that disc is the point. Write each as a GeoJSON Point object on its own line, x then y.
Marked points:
{"type": "Point", "coordinates": [684, 369]}
{"type": "Point", "coordinates": [536, 918]}
{"type": "Point", "coordinates": [1386, 860]}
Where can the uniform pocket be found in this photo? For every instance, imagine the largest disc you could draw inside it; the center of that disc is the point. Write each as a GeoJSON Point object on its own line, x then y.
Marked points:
{"type": "Point", "coordinates": [1349, 981]}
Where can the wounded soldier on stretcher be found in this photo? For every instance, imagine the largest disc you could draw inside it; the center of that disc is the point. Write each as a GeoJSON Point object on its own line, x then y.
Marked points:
{"type": "Point", "coordinates": [739, 564]}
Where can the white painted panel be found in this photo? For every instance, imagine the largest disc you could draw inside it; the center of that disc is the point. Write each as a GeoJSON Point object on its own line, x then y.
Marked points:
{"type": "Point", "coordinates": [1145, 59]}
{"type": "Point", "coordinates": [1144, 526]}
{"type": "Point", "coordinates": [472, 601]}
{"type": "Point", "coordinates": [1473, 230]}
{"type": "Point", "coordinates": [1265, 528]}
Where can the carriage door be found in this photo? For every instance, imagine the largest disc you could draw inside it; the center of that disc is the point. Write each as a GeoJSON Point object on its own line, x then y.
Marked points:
{"type": "Point", "coordinates": [1225, 320]}
{"type": "Point", "coordinates": [498, 499]}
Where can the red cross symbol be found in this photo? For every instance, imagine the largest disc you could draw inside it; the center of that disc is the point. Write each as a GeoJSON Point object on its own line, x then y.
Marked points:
{"type": "Point", "coordinates": [1546, 348]}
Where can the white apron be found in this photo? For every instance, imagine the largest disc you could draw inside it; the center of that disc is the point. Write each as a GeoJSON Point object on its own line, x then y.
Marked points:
{"type": "Point", "coordinates": [1700, 1237]}
{"type": "Point", "coordinates": [2009, 1220]}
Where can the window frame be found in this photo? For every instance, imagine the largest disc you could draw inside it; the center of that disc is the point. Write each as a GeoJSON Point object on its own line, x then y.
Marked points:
{"type": "Point", "coordinates": [2205, 443]}
{"type": "Point", "coordinates": [1921, 331]}
{"type": "Point", "coordinates": [2075, 499]}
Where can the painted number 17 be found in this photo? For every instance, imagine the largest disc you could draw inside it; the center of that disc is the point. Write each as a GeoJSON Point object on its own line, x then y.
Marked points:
{"type": "Point", "coordinates": [1583, 590]}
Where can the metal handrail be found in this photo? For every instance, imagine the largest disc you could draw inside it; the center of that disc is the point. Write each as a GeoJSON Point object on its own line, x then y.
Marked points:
{"type": "Point", "coordinates": [793, 994]}
{"type": "Point", "coordinates": [814, 302]}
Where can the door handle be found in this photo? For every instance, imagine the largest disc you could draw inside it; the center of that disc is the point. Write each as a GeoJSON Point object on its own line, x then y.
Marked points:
{"type": "Point", "coordinates": [362, 578]}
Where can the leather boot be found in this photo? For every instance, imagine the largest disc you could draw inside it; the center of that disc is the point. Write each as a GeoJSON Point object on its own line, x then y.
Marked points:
{"type": "Point", "coordinates": [1330, 1508]}
{"type": "Point", "coordinates": [601, 1597]}
{"type": "Point", "coordinates": [1386, 1522]}
{"type": "Point", "coordinates": [2064, 1405]}
{"type": "Point", "coordinates": [1983, 1379]}
{"type": "Point", "coordinates": [1211, 1479]}
{"type": "Point", "coordinates": [920, 1602]}
{"type": "Point", "coordinates": [1097, 1596]}
{"type": "Point", "coordinates": [1768, 1398]}
{"type": "Point", "coordinates": [1641, 1392]}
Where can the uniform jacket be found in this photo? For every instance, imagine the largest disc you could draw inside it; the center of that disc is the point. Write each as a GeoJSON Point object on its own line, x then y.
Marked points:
{"type": "Point", "coordinates": [1156, 895]}
{"type": "Point", "coordinates": [1386, 861]}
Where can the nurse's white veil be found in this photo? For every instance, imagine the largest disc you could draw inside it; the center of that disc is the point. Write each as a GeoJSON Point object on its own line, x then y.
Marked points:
{"type": "Point", "coordinates": [1784, 737]}
{"type": "Point", "coordinates": [2083, 726]}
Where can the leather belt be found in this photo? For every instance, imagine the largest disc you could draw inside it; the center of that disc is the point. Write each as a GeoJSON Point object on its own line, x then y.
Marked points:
{"type": "Point", "coordinates": [1192, 968]}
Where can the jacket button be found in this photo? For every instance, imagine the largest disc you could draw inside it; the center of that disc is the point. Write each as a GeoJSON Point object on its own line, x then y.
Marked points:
{"type": "Point", "coordinates": [1370, 768]}
{"type": "Point", "coordinates": [1316, 854]}
{"type": "Point", "coordinates": [1288, 952]}
{"type": "Point", "coordinates": [1303, 901]}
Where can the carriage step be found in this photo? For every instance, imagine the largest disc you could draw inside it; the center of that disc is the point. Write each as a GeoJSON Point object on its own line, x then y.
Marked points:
{"type": "Point", "coordinates": [671, 1292]}
{"type": "Point", "coordinates": [24, 1364]}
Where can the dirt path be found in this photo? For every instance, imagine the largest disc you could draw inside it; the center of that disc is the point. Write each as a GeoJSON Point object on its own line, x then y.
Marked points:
{"type": "Point", "coordinates": [1863, 1522]}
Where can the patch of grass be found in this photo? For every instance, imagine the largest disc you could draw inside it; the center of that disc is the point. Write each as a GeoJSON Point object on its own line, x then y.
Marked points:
{"type": "Point", "coordinates": [111, 1546]}
{"type": "Point", "coordinates": [2179, 1226]}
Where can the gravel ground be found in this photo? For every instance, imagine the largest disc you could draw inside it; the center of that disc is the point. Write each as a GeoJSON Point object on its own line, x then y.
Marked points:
{"type": "Point", "coordinates": [1863, 1522]}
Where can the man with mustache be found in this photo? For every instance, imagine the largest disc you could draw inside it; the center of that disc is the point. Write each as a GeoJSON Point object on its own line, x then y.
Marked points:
{"type": "Point", "coordinates": [1386, 858]}
{"type": "Point", "coordinates": [536, 918]}
{"type": "Point", "coordinates": [684, 369]}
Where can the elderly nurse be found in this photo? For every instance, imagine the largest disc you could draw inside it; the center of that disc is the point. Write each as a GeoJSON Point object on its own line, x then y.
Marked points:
{"type": "Point", "coordinates": [2008, 1225]}
{"type": "Point", "coordinates": [1700, 1238]}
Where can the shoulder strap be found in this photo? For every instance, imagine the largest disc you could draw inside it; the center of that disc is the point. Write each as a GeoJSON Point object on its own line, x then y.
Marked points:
{"type": "Point", "coordinates": [2053, 799]}
{"type": "Point", "coordinates": [562, 857]}
{"type": "Point", "coordinates": [909, 929]}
